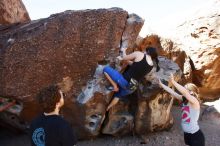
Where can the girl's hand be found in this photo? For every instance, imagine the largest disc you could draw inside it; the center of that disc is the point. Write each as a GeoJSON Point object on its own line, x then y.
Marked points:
{"type": "Point", "coordinates": [123, 51]}
{"type": "Point", "coordinates": [159, 82]}
{"type": "Point", "coordinates": [119, 58]}
{"type": "Point", "coordinates": [171, 77]}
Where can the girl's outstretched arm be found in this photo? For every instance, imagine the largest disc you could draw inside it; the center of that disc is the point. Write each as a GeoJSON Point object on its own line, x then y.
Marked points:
{"type": "Point", "coordinates": [171, 91]}
{"type": "Point", "coordinates": [184, 92]}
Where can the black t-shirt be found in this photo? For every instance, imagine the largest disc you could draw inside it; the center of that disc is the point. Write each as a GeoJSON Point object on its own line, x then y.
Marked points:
{"type": "Point", "coordinates": [51, 131]}
{"type": "Point", "coordinates": [137, 70]}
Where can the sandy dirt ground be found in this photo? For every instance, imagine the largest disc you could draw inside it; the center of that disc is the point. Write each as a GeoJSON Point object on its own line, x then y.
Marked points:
{"type": "Point", "coordinates": [209, 123]}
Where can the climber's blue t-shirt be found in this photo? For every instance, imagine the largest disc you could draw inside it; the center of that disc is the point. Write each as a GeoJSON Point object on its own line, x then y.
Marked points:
{"type": "Point", "coordinates": [51, 131]}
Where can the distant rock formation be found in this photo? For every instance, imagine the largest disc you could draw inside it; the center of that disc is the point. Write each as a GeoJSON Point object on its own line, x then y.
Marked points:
{"type": "Point", "coordinates": [13, 11]}
{"type": "Point", "coordinates": [199, 38]}
{"type": "Point", "coordinates": [195, 48]}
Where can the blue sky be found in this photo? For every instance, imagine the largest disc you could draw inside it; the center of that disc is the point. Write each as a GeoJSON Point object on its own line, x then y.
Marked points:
{"type": "Point", "coordinates": [155, 12]}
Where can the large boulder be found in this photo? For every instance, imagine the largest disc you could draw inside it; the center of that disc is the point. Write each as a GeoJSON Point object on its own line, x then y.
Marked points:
{"type": "Point", "coordinates": [66, 49]}
{"type": "Point", "coordinates": [13, 11]}
{"type": "Point", "coordinates": [148, 109]}
{"type": "Point", "coordinates": [70, 49]}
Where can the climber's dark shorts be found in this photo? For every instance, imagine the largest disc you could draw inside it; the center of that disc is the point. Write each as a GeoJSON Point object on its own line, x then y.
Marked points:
{"type": "Point", "coordinates": [195, 139]}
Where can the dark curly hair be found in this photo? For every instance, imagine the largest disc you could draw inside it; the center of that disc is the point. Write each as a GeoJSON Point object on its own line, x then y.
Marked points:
{"type": "Point", "coordinates": [48, 97]}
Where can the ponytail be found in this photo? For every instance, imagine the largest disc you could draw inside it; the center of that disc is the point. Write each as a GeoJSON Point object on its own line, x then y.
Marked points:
{"type": "Point", "coordinates": [157, 63]}
{"type": "Point", "coordinates": [154, 56]}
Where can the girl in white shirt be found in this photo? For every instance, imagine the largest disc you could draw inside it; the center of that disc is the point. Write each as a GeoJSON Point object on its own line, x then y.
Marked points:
{"type": "Point", "coordinates": [190, 109]}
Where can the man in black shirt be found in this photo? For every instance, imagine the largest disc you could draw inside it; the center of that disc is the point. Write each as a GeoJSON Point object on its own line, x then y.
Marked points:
{"type": "Point", "coordinates": [49, 129]}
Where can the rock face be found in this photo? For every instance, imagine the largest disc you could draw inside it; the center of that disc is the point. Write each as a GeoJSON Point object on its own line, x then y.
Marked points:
{"type": "Point", "coordinates": [70, 49]}
{"type": "Point", "coordinates": [13, 11]}
{"type": "Point", "coordinates": [65, 49]}
{"type": "Point", "coordinates": [134, 24]}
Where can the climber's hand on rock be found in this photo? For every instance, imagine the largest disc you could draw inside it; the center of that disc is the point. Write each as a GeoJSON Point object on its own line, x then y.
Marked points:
{"type": "Point", "coordinates": [171, 78]}
{"type": "Point", "coordinates": [119, 58]}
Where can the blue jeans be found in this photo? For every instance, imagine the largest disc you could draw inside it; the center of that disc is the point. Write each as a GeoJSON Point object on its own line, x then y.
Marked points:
{"type": "Point", "coordinates": [120, 80]}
